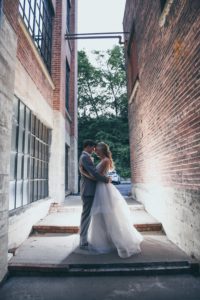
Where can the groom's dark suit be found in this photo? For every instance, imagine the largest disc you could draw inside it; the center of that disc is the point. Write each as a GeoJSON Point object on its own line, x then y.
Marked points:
{"type": "Point", "coordinates": [87, 190]}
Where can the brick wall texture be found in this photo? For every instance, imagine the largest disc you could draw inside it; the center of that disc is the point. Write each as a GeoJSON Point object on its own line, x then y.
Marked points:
{"type": "Point", "coordinates": [25, 54]}
{"type": "Point", "coordinates": [164, 115]}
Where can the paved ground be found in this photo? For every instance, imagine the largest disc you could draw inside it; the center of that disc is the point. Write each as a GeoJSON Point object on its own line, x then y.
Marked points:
{"type": "Point", "coordinates": [62, 250]}
{"type": "Point", "coordinates": [124, 188]}
{"type": "Point", "coordinates": [71, 217]}
{"type": "Point", "coordinates": [182, 287]}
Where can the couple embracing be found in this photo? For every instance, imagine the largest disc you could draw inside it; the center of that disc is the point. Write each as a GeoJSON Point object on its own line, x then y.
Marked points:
{"type": "Point", "coordinates": [106, 223]}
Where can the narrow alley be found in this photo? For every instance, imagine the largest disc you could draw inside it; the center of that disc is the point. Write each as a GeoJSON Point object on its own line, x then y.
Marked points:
{"type": "Point", "coordinates": [97, 95]}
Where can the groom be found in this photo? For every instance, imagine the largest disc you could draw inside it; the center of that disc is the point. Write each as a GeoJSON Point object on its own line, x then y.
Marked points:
{"type": "Point", "coordinates": [87, 188]}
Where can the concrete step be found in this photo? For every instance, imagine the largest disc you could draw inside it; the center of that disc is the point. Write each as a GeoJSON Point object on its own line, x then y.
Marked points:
{"type": "Point", "coordinates": [60, 255]}
{"type": "Point", "coordinates": [42, 229]}
{"type": "Point", "coordinates": [64, 208]}
{"type": "Point", "coordinates": [144, 269]}
{"type": "Point", "coordinates": [69, 221]}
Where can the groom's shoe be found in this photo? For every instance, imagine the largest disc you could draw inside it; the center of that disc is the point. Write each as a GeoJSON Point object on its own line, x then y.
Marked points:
{"type": "Point", "coordinates": [84, 246]}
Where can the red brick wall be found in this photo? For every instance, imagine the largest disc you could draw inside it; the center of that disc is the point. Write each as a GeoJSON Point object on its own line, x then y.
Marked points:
{"type": "Point", "coordinates": [25, 53]}
{"type": "Point", "coordinates": [165, 114]}
{"type": "Point", "coordinates": [56, 57]}
{"type": "Point", "coordinates": [164, 117]}
{"type": "Point", "coordinates": [60, 49]}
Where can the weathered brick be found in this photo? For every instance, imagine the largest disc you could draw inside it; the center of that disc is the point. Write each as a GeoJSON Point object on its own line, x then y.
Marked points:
{"type": "Point", "coordinates": [164, 114]}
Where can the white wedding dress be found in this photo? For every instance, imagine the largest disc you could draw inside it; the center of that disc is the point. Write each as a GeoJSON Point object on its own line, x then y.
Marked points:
{"type": "Point", "coordinates": [111, 226]}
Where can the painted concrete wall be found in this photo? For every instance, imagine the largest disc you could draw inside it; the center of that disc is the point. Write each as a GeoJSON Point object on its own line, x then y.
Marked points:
{"type": "Point", "coordinates": [7, 68]}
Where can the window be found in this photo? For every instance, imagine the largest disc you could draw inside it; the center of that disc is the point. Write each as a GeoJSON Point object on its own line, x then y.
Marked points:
{"type": "Point", "coordinates": [38, 16]}
{"type": "Point", "coordinates": [29, 159]}
{"type": "Point", "coordinates": [68, 15]}
{"type": "Point", "coordinates": [67, 86]}
{"type": "Point", "coordinates": [162, 4]}
{"type": "Point", "coordinates": [132, 65]}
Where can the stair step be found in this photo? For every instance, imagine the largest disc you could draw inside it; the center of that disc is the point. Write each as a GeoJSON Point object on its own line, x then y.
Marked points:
{"type": "Point", "coordinates": [61, 254]}
{"type": "Point", "coordinates": [156, 268]}
{"type": "Point", "coordinates": [75, 229]}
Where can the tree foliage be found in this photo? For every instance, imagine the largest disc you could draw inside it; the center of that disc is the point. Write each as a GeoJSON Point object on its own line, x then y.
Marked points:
{"type": "Point", "coordinates": [103, 103]}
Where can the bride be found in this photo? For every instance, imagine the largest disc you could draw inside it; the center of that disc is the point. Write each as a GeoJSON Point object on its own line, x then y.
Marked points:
{"type": "Point", "coordinates": [111, 227]}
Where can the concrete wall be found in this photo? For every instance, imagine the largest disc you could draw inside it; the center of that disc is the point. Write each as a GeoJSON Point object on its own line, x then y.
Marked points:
{"type": "Point", "coordinates": [45, 96]}
{"type": "Point", "coordinates": [57, 159]}
{"type": "Point", "coordinates": [164, 115]}
{"type": "Point", "coordinates": [7, 67]}
{"type": "Point", "coordinates": [73, 167]}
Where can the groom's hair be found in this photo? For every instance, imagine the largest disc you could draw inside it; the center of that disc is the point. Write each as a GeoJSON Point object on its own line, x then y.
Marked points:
{"type": "Point", "coordinates": [89, 143]}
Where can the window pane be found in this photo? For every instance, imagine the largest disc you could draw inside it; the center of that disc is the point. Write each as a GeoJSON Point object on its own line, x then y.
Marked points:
{"type": "Point", "coordinates": [32, 168]}
{"type": "Point", "coordinates": [41, 131]}
{"type": "Point", "coordinates": [25, 192]}
{"type": "Point", "coordinates": [44, 133]}
{"type": "Point", "coordinates": [35, 169]}
{"type": "Point", "coordinates": [26, 166]}
{"type": "Point", "coordinates": [27, 142]}
{"type": "Point", "coordinates": [46, 171]}
{"type": "Point", "coordinates": [19, 193]}
{"type": "Point", "coordinates": [39, 169]}
{"type": "Point", "coordinates": [31, 191]}
{"type": "Point", "coordinates": [36, 148]}
{"type": "Point", "coordinates": [32, 145]}
{"type": "Point", "coordinates": [39, 190]}
{"type": "Point", "coordinates": [13, 159]}
{"type": "Point", "coordinates": [28, 115]}
{"type": "Point", "coordinates": [32, 124]}
{"type": "Point", "coordinates": [12, 195]}
{"type": "Point", "coordinates": [16, 109]}
{"type": "Point", "coordinates": [20, 139]}
{"type": "Point", "coordinates": [21, 114]}
{"type": "Point", "coordinates": [14, 136]}
{"type": "Point", "coordinates": [36, 127]}
{"type": "Point", "coordinates": [40, 150]}
{"type": "Point", "coordinates": [42, 189]}
{"type": "Point", "coordinates": [35, 191]}
{"type": "Point", "coordinates": [19, 166]}
{"type": "Point", "coordinates": [46, 189]}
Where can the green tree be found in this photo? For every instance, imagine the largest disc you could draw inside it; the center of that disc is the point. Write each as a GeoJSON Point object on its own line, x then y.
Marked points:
{"type": "Point", "coordinates": [103, 103]}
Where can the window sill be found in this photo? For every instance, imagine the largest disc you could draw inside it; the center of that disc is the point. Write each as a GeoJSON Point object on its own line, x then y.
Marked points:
{"type": "Point", "coordinates": [22, 209]}
{"type": "Point", "coordinates": [36, 53]}
{"type": "Point", "coordinates": [165, 13]}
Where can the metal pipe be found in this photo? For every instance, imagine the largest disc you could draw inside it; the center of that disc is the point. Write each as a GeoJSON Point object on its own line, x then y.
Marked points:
{"type": "Point", "coordinates": [96, 35]}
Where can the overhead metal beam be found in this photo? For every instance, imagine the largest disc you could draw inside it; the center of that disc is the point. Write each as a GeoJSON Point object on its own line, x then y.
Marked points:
{"type": "Point", "coordinates": [96, 35]}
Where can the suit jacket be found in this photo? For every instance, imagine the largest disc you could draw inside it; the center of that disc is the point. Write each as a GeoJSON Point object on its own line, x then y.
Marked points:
{"type": "Point", "coordinates": [88, 186]}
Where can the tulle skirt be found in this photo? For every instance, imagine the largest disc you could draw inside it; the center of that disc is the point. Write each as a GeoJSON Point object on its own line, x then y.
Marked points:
{"type": "Point", "coordinates": [111, 226]}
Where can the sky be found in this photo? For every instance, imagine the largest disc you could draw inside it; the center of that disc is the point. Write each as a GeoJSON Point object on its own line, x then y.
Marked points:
{"type": "Point", "coordinates": [99, 16]}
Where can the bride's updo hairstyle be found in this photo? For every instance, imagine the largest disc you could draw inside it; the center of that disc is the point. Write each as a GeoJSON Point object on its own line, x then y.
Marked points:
{"type": "Point", "coordinates": [106, 151]}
